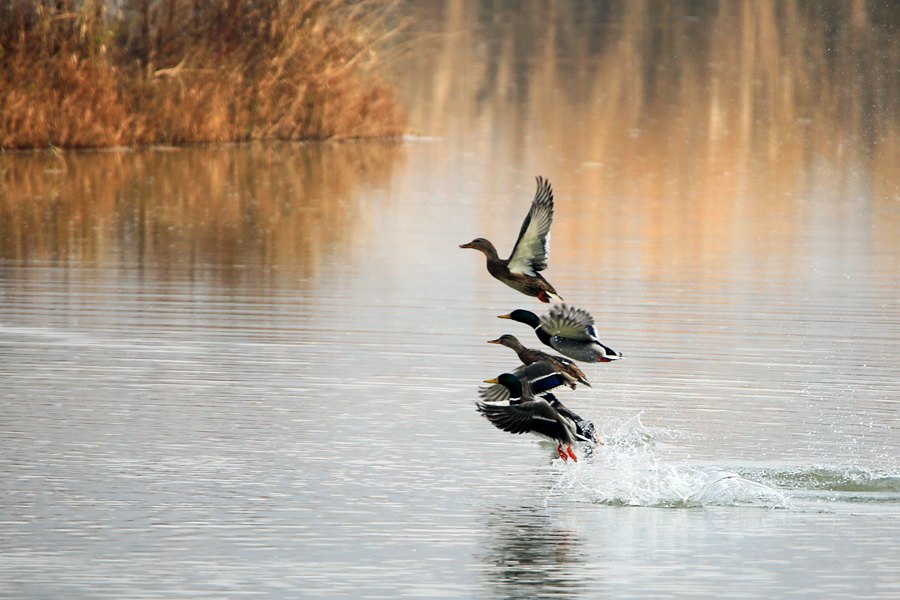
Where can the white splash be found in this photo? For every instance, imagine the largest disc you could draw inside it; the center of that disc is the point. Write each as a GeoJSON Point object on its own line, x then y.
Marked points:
{"type": "Point", "coordinates": [626, 471]}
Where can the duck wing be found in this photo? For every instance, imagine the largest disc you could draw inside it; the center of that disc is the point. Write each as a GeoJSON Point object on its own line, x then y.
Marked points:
{"type": "Point", "coordinates": [531, 252]}
{"type": "Point", "coordinates": [569, 367]}
{"type": "Point", "coordinates": [536, 378]}
{"type": "Point", "coordinates": [534, 416]}
{"type": "Point", "coordinates": [493, 393]}
{"type": "Point", "coordinates": [584, 430]}
{"type": "Point", "coordinates": [539, 377]}
{"type": "Point", "coordinates": [569, 322]}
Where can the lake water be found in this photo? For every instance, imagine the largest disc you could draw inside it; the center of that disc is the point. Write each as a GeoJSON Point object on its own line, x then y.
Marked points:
{"type": "Point", "coordinates": [250, 370]}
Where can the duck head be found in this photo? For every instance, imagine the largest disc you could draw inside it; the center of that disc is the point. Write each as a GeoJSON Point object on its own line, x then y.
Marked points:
{"type": "Point", "coordinates": [510, 341]}
{"type": "Point", "coordinates": [510, 382]}
{"type": "Point", "coordinates": [482, 245]}
{"type": "Point", "coordinates": [523, 316]}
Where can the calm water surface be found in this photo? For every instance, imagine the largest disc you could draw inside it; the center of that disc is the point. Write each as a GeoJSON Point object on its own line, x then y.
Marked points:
{"type": "Point", "coordinates": [250, 370]}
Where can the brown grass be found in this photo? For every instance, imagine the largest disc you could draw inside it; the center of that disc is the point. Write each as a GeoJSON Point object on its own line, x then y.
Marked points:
{"type": "Point", "coordinates": [74, 74]}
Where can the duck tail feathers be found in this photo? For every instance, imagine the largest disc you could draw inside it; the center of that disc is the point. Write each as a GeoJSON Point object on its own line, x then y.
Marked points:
{"type": "Point", "coordinates": [554, 296]}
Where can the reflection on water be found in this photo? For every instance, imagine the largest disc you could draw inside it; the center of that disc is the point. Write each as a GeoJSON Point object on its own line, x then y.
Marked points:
{"type": "Point", "coordinates": [645, 112]}
{"type": "Point", "coordinates": [174, 211]}
{"type": "Point", "coordinates": [528, 553]}
{"type": "Point", "coordinates": [251, 369]}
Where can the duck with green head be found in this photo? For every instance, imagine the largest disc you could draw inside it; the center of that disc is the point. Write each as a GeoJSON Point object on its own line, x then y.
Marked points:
{"type": "Point", "coordinates": [530, 254]}
{"type": "Point", "coordinates": [545, 416]}
{"type": "Point", "coordinates": [530, 381]}
{"type": "Point", "coordinates": [568, 330]}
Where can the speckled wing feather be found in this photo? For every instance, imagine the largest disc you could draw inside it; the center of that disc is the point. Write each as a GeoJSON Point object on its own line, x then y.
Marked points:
{"type": "Point", "coordinates": [532, 249]}
{"type": "Point", "coordinates": [569, 322]}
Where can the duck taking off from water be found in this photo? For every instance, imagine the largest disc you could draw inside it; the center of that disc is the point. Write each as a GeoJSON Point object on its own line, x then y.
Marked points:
{"type": "Point", "coordinates": [530, 356]}
{"type": "Point", "coordinates": [530, 381]}
{"type": "Point", "coordinates": [545, 416]}
{"type": "Point", "coordinates": [530, 254]}
{"type": "Point", "coordinates": [569, 331]}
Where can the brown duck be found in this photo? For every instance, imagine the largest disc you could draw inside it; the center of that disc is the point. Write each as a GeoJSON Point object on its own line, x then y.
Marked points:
{"type": "Point", "coordinates": [521, 271]}
{"type": "Point", "coordinates": [530, 356]}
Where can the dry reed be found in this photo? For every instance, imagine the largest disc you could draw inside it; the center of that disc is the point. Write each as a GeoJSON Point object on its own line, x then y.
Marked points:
{"type": "Point", "coordinates": [78, 74]}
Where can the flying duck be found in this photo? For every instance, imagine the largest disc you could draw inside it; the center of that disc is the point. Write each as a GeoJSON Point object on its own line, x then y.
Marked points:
{"type": "Point", "coordinates": [568, 330]}
{"type": "Point", "coordinates": [521, 271]}
{"type": "Point", "coordinates": [530, 356]}
{"type": "Point", "coordinates": [531, 380]}
{"type": "Point", "coordinates": [545, 416]}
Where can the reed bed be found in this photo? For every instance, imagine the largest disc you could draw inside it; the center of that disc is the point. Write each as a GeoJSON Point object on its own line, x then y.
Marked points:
{"type": "Point", "coordinates": [94, 73]}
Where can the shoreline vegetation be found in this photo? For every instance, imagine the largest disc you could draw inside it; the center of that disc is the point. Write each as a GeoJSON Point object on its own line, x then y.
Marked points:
{"type": "Point", "coordinates": [97, 73]}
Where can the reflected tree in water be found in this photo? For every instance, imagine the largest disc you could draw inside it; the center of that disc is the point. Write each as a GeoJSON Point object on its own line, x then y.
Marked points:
{"type": "Point", "coordinates": [240, 210]}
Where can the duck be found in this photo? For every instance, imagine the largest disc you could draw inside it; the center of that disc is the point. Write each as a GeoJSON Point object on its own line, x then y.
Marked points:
{"type": "Point", "coordinates": [530, 356]}
{"type": "Point", "coordinates": [530, 254]}
{"type": "Point", "coordinates": [536, 378]}
{"type": "Point", "coordinates": [568, 330]}
{"type": "Point", "coordinates": [545, 416]}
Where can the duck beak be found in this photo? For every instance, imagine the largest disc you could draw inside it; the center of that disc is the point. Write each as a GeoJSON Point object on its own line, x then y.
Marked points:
{"type": "Point", "coordinates": [504, 316]}
{"type": "Point", "coordinates": [494, 380]}
{"type": "Point", "coordinates": [469, 245]}
{"type": "Point", "coordinates": [497, 341]}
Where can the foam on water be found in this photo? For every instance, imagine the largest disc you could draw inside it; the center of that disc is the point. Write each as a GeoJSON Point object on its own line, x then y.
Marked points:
{"type": "Point", "coordinates": [830, 483]}
{"type": "Point", "coordinates": [627, 471]}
